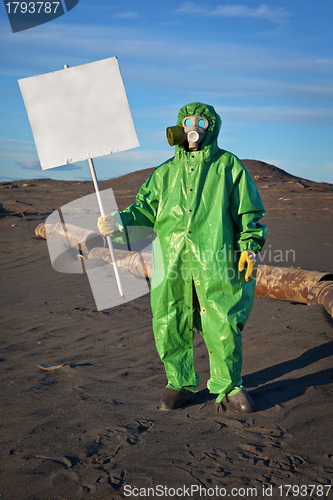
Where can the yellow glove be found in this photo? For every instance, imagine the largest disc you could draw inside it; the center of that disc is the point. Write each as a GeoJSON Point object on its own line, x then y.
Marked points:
{"type": "Point", "coordinates": [106, 225]}
{"type": "Point", "coordinates": [250, 259]}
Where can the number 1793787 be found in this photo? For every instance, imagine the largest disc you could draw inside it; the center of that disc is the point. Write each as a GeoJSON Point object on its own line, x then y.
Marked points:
{"type": "Point", "coordinates": [305, 490]}
{"type": "Point", "coordinates": [32, 7]}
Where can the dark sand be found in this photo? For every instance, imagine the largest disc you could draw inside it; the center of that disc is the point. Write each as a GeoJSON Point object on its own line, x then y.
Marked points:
{"type": "Point", "coordinates": [92, 430]}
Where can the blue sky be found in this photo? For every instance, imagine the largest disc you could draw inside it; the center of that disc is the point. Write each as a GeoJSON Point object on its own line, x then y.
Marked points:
{"type": "Point", "coordinates": [267, 68]}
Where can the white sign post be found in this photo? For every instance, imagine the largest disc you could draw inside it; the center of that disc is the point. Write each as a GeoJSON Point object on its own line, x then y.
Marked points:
{"type": "Point", "coordinates": [108, 239]}
{"type": "Point", "coordinates": [77, 114]}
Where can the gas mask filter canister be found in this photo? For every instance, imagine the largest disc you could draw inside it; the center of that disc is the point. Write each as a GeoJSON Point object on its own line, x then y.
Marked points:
{"type": "Point", "coordinates": [193, 130]}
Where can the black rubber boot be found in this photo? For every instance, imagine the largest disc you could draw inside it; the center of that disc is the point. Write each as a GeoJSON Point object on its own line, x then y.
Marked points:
{"type": "Point", "coordinates": [173, 399]}
{"type": "Point", "coordinates": [240, 402]}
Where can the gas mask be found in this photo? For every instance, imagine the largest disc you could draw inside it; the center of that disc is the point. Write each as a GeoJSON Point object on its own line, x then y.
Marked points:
{"type": "Point", "coordinates": [193, 130]}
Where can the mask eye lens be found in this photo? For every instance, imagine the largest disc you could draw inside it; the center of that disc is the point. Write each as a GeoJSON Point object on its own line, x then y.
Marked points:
{"type": "Point", "coordinates": [201, 123]}
{"type": "Point", "coordinates": [188, 122]}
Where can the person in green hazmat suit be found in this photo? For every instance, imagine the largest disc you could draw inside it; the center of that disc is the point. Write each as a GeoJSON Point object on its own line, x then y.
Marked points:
{"type": "Point", "coordinates": [205, 209]}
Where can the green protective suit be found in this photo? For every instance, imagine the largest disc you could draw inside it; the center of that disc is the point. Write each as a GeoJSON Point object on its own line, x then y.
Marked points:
{"type": "Point", "coordinates": [204, 207]}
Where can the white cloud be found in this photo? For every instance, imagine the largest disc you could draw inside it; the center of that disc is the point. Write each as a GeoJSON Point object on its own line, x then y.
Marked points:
{"type": "Point", "coordinates": [277, 114]}
{"type": "Point", "coordinates": [278, 15]}
{"type": "Point", "coordinates": [18, 150]}
{"type": "Point", "coordinates": [127, 15]}
{"type": "Point", "coordinates": [142, 50]}
{"type": "Point", "coordinates": [137, 156]}
{"type": "Point", "coordinates": [35, 165]}
{"type": "Point", "coordinates": [30, 164]}
{"type": "Point", "coordinates": [24, 154]}
{"type": "Point", "coordinates": [254, 114]}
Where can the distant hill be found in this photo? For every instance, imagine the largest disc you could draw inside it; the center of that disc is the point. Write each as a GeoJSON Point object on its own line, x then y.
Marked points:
{"type": "Point", "coordinates": [131, 181]}
{"type": "Point", "coordinates": [134, 180]}
{"type": "Point", "coordinates": [262, 169]}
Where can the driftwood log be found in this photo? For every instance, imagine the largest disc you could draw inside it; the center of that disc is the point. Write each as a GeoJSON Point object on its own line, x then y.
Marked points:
{"type": "Point", "coordinates": [137, 263]}
{"type": "Point", "coordinates": [296, 285]}
{"type": "Point", "coordinates": [76, 237]}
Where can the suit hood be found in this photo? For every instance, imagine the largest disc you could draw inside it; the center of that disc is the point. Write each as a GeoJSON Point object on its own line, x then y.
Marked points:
{"type": "Point", "coordinates": [209, 144]}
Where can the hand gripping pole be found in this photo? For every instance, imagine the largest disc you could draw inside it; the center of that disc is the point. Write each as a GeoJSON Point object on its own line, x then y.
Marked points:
{"type": "Point", "coordinates": [108, 239]}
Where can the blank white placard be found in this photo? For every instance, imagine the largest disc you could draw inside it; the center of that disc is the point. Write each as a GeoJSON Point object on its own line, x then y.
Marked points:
{"type": "Point", "coordinates": [79, 113]}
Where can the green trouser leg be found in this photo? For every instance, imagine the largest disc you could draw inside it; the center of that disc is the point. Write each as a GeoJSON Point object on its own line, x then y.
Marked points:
{"type": "Point", "coordinates": [221, 331]}
{"type": "Point", "coordinates": [225, 360]}
{"type": "Point", "coordinates": [176, 352]}
{"type": "Point", "coordinates": [224, 344]}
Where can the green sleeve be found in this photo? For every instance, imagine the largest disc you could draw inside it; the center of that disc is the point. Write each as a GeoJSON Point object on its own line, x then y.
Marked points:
{"type": "Point", "coordinates": [140, 215]}
{"type": "Point", "coordinates": [247, 209]}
